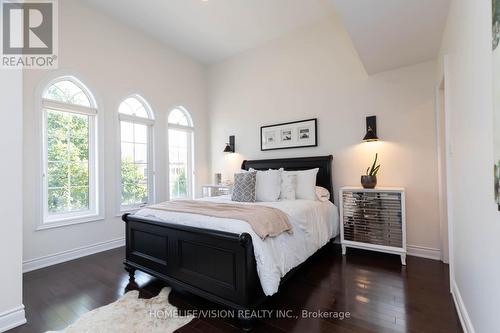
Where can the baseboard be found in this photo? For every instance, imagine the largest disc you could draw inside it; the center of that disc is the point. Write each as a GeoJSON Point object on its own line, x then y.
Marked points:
{"type": "Point", "coordinates": [461, 309]}
{"type": "Point", "coordinates": [12, 318]}
{"type": "Point", "coordinates": [423, 252]}
{"type": "Point", "coordinates": [57, 258]}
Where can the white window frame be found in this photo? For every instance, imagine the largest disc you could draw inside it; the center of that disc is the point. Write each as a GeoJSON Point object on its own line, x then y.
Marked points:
{"type": "Point", "coordinates": [94, 213]}
{"type": "Point", "coordinates": [149, 122]}
{"type": "Point", "coordinates": [189, 129]}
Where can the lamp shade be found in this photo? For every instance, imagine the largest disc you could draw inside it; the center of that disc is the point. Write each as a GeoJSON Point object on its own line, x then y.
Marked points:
{"type": "Point", "coordinates": [228, 148]}
{"type": "Point", "coordinates": [370, 136]}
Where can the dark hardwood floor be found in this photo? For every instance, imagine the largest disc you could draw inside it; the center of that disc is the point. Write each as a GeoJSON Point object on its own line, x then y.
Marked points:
{"type": "Point", "coordinates": [379, 294]}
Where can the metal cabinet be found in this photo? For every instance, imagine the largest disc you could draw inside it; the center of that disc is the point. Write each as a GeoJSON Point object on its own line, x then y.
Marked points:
{"type": "Point", "coordinates": [373, 219]}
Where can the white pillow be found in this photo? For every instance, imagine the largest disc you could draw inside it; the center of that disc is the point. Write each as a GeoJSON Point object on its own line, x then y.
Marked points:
{"type": "Point", "coordinates": [268, 185]}
{"type": "Point", "coordinates": [306, 183]}
{"type": "Point", "coordinates": [288, 187]}
{"type": "Point", "coordinates": [322, 193]}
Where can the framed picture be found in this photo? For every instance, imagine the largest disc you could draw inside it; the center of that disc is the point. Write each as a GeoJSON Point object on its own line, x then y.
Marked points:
{"type": "Point", "coordinates": [495, 5]}
{"type": "Point", "coordinates": [296, 134]}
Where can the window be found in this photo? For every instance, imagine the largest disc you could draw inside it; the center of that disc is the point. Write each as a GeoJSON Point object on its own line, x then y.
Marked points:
{"type": "Point", "coordinates": [136, 122]}
{"type": "Point", "coordinates": [70, 152]}
{"type": "Point", "coordinates": [180, 147]}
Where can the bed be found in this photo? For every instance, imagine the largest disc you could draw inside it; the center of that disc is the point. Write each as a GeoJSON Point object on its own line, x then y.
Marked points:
{"type": "Point", "coordinates": [224, 262]}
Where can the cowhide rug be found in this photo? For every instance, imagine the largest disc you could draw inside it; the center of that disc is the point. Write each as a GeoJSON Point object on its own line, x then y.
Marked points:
{"type": "Point", "coordinates": [131, 314]}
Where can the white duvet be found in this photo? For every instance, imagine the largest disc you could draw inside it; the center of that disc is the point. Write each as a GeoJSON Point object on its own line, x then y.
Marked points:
{"type": "Point", "coordinates": [314, 224]}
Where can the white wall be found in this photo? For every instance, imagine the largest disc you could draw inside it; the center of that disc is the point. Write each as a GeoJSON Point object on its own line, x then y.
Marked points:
{"type": "Point", "coordinates": [114, 61]}
{"type": "Point", "coordinates": [473, 214]}
{"type": "Point", "coordinates": [315, 72]}
{"type": "Point", "coordinates": [11, 146]}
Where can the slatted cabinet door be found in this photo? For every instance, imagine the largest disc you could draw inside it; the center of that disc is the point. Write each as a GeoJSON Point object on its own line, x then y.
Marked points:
{"type": "Point", "coordinates": [374, 219]}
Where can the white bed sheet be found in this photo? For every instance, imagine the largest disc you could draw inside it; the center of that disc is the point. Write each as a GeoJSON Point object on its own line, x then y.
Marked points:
{"type": "Point", "coordinates": [314, 224]}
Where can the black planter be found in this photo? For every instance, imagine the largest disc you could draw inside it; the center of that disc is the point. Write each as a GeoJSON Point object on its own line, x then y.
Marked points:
{"type": "Point", "coordinates": [369, 181]}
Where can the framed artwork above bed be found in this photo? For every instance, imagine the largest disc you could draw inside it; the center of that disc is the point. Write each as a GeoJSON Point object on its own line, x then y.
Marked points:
{"type": "Point", "coordinates": [296, 134]}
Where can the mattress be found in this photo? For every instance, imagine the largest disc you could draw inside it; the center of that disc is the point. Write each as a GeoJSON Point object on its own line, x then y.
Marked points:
{"type": "Point", "coordinates": [314, 224]}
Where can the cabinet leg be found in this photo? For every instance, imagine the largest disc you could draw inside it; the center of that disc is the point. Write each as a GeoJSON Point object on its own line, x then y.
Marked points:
{"type": "Point", "coordinates": [344, 250]}
{"type": "Point", "coordinates": [403, 259]}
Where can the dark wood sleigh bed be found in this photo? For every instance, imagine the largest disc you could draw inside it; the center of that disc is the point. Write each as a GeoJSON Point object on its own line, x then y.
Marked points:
{"type": "Point", "coordinates": [216, 265]}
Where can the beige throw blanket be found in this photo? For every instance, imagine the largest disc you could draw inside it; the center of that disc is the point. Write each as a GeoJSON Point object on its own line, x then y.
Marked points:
{"type": "Point", "coordinates": [265, 221]}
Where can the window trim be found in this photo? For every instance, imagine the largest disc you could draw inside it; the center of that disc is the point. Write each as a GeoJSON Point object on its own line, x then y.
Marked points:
{"type": "Point", "coordinates": [96, 203]}
{"type": "Point", "coordinates": [149, 122]}
{"type": "Point", "coordinates": [65, 107]}
{"type": "Point", "coordinates": [190, 130]}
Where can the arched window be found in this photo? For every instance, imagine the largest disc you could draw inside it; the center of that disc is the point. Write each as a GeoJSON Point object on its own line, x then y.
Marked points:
{"type": "Point", "coordinates": [70, 186]}
{"type": "Point", "coordinates": [136, 171]}
{"type": "Point", "coordinates": [180, 148]}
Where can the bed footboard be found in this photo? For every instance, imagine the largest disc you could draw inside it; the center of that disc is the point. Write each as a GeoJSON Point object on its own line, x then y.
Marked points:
{"type": "Point", "coordinates": [215, 265]}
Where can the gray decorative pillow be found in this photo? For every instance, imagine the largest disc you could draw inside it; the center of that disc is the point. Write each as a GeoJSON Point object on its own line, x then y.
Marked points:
{"type": "Point", "coordinates": [244, 187]}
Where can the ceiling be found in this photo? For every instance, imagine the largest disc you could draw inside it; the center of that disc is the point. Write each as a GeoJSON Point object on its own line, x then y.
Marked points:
{"type": "Point", "coordinates": [386, 33]}
{"type": "Point", "coordinates": [389, 34]}
{"type": "Point", "coordinates": [213, 30]}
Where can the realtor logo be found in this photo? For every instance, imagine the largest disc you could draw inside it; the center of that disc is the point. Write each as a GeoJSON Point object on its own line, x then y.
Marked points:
{"type": "Point", "coordinates": [29, 34]}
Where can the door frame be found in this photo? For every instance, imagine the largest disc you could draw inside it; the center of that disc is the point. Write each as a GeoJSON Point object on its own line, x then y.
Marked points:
{"type": "Point", "coordinates": [445, 179]}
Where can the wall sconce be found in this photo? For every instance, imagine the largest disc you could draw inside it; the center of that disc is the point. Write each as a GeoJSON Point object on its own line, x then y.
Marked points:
{"type": "Point", "coordinates": [230, 146]}
{"type": "Point", "coordinates": [371, 129]}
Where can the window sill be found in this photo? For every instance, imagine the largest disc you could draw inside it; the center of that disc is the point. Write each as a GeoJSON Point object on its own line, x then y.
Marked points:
{"type": "Point", "coordinates": [68, 222]}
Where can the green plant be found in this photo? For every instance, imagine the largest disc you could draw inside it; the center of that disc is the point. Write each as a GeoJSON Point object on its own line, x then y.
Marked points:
{"type": "Point", "coordinates": [179, 190]}
{"type": "Point", "coordinates": [134, 183]}
{"type": "Point", "coordinates": [373, 170]}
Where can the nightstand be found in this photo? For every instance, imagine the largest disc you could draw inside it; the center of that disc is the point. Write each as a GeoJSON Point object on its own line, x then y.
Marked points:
{"type": "Point", "coordinates": [373, 219]}
{"type": "Point", "coordinates": [215, 190]}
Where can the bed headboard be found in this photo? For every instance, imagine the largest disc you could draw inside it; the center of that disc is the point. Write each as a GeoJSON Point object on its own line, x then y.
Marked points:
{"type": "Point", "coordinates": [324, 163]}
